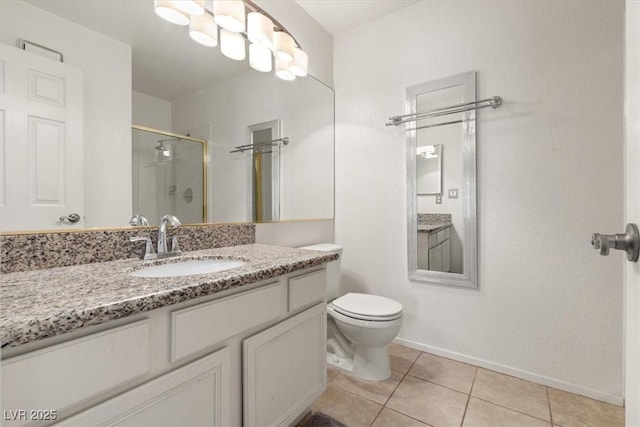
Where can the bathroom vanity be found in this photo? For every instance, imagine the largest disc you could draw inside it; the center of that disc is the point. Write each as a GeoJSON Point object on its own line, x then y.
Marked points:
{"type": "Point", "coordinates": [93, 345]}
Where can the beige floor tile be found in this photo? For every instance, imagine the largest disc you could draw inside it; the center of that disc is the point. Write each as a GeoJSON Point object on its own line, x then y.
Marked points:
{"type": "Point", "coordinates": [346, 407]}
{"type": "Point", "coordinates": [569, 409]}
{"type": "Point", "coordinates": [389, 418]}
{"type": "Point", "coordinates": [331, 372]}
{"type": "Point", "coordinates": [519, 395]}
{"type": "Point", "coordinates": [402, 357]}
{"type": "Point", "coordinates": [429, 403]}
{"type": "Point", "coordinates": [484, 414]}
{"type": "Point", "coordinates": [446, 372]}
{"type": "Point", "coordinates": [377, 391]}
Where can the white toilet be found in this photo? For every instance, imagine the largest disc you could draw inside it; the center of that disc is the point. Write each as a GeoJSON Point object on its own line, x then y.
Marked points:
{"type": "Point", "coordinates": [359, 326]}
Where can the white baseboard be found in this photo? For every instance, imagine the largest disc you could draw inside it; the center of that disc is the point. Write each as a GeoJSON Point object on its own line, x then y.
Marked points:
{"type": "Point", "coordinates": [514, 372]}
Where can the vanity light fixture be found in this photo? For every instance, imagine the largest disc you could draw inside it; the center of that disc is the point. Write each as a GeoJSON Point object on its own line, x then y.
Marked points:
{"type": "Point", "coordinates": [168, 10]}
{"type": "Point", "coordinates": [229, 14]}
{"type": "Point", "coordinates": [190, 7]}
{"type": "Point", "coordinates": [204, 30]}
{"type": "Point", "coordinates": [266, 35]}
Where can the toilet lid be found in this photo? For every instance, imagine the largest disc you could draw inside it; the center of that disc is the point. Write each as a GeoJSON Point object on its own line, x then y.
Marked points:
{"type": "Point", "coordinates": [367, 306]}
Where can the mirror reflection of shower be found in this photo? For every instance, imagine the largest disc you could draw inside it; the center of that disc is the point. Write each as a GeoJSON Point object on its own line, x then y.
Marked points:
{"type": "Point", "coordinates": [168, 175]}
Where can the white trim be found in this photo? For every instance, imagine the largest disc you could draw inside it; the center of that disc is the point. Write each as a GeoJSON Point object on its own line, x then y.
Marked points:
{"type": "Point", "coordinates": [515, 372]}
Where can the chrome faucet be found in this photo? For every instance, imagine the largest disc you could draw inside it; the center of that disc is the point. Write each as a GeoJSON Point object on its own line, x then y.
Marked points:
{"type": "Point", "coordinates": [138, 220]}
{"type": "Point", "coordinates": [163, 250]}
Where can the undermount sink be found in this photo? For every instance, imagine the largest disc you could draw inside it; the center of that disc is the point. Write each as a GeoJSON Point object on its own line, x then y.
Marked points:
{"type": "Point", "coordinates": [188, 267]}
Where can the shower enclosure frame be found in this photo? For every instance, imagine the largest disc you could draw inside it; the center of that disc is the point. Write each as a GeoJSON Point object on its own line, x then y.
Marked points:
{"type": "Point", "coordinates": [205, 161]}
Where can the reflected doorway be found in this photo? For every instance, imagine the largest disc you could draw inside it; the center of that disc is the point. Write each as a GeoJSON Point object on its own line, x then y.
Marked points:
{"type": "Point", "coordinates": [265, 171]}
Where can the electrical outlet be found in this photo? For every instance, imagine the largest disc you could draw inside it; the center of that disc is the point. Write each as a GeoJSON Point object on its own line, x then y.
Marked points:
{"type": "Point", "coordinates": [453, 193]}
{"type": "Point", "coordinates": [439, 199]}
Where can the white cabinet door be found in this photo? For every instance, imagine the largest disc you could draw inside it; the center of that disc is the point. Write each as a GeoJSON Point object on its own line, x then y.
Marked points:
{"type": "Point", "coordinates": [435, 258]}
{"type": "Point", "coordinates": [197, 394]}
{"type": "Point", "coordinates": [284, 368]}
{"type": "Point", "coordinates": [423, 250]}
{"type": "Point", "coordinates": [446, 255]}
{"type": "Point", "coordinates": [41, 151]}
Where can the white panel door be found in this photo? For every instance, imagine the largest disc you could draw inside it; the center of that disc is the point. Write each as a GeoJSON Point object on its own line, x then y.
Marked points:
{"type": "Point", "coordinates": [41, 126]}
{"type": "Point", "coordinates": [632, 214]}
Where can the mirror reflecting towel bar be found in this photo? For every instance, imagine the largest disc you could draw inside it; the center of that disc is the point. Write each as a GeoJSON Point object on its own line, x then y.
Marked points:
{"type": "Point", "coordinates": [493, 102]}
{"type": "Point", "coordinates": [272, 143]}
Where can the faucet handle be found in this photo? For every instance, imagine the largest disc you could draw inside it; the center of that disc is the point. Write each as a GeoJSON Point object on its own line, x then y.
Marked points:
{"type": "Point", "coordinates": [148, 253]}
{"type": "Point", "coordinates": [175, 247]}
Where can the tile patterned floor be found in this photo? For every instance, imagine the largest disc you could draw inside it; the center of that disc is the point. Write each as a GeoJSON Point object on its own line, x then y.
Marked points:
{"type": "Point", "coordinates": [427, 390]}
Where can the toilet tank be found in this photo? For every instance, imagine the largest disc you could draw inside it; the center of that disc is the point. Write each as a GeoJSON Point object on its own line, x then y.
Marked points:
{"type": "Point", "coordinates": [333, 267]}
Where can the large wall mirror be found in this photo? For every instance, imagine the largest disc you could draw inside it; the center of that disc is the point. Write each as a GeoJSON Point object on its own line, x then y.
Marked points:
{"type": "Point", "coordinates": [123, 65]}
{"type": "Point", "coordinates": [441, 183]}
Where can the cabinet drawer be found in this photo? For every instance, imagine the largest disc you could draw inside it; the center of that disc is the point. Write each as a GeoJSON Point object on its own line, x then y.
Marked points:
{"type": "Point", "coordinates": [447, 233]}
{"type": "Point", "coordinates": [198, 394]}
{"type": "Point", "coordinates": [61, 375]}
{"type": "Point", "coordinates": [198, 327]}
{"type": "Point", "coordinates": [307, 289]}
{"type": "Point", "coordinates": [440, 237]}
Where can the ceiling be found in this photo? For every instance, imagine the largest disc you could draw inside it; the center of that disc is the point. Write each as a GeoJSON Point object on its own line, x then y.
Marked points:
{"type": "Point", "coordinates": [337, 16]}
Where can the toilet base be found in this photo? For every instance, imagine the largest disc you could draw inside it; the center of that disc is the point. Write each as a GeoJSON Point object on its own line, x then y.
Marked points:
{"type": "Point", "coordinates": [368, 363]}
{"type": "Point", "coordinates": [344, 364]}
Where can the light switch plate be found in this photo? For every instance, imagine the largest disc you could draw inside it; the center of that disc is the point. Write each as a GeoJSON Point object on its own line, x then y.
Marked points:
{"type": "Point", "coordinates": [439, 199]}
{"type": "Point", "coordinates": [453, 193]}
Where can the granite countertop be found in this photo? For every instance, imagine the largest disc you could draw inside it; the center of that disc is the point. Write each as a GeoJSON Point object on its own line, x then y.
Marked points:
{"type": "Point", "coordinates": [428, 228]}
{"type": "Point", "coordinates": [43, 303]}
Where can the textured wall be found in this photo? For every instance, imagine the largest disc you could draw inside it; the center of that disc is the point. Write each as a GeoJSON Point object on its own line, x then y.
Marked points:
{"type": "Point", "coordinates": [548, 308]}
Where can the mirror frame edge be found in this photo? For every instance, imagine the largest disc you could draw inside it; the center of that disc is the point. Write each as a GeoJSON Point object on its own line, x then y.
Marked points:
{"type": "Point", "coordinates": [469, 277]}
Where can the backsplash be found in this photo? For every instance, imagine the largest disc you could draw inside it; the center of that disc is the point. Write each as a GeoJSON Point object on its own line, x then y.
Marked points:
{"type": "Point", "coordinates": [431, 219]}
{"type": "Point", "coordinates": [26, 252]}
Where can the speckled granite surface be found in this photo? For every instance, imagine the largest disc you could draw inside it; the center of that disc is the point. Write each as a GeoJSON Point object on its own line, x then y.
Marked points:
{"type": "Point", "coordinates": [430, 219]}
{"type": "Point", "coordinates": [431, 222]}
{"type": "Point", "coordinates": [428, 228]}
{"type": "Point", "coordinates": [26, 252]}
{"type": "Point", "coordinates": [38, 304]}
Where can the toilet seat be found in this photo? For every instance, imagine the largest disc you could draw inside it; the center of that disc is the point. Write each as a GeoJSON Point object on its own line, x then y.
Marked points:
{"type": "Point", "coordinates": [367, 307]}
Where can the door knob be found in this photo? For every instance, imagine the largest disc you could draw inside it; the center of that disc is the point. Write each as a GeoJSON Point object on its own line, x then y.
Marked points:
{"type": "Point", "coordinates": [628, 242]}
{"type": "Point", "coordinates": [71, 218]}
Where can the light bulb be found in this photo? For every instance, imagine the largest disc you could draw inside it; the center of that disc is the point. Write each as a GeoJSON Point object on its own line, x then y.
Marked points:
{"type": "Point", "coordinates": [260, 29]}
{"type": "Point", "coordinates": [204, 30]}
{"type": "Point", "coordinates": [232, 45]}
{"type": "Point", "coordinates": [300, 62]}
{"type": "Point", "coordinates": [282, 71]}
{"type": "Point", "coordinates": [229, 14]}
{"type": "Point", "coordinates": [167, 10]}
{"type": "Point", "coordinates": [260, 58]}
{"type": "Point", "coordinates": [190, 7]}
